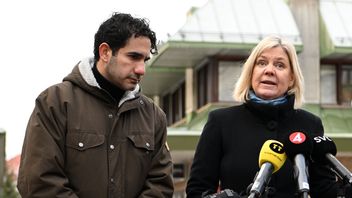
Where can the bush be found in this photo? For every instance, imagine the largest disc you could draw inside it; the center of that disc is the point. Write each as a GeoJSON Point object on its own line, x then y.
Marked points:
{"type": "Point", "coordinates": [9, 188]}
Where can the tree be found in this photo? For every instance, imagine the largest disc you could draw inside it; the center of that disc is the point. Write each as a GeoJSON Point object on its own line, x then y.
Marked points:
{"type": "Point", "coordinates": [9, 188]}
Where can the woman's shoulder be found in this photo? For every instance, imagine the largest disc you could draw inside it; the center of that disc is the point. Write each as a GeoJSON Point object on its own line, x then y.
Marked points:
{"type": "Point", "coordinates": [306, 114]}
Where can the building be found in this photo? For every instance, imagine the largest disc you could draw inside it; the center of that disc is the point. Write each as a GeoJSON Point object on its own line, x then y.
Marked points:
{"type": "Point", "coordinates": [13, 166]}
{"type": "Point", "coordinates": [196, 68]}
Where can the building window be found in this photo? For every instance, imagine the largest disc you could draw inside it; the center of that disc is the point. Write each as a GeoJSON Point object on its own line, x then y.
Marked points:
{"type": "Point", "coordinates": [336, 84]}
{"type": "Point", "coordinates": [167, 104]}
{"type": "Point", "coordinates": [345, 95]}
{"type": "Point", "coordinates": [229, 72]}
{"type": "Point", "coordinates": [328, 84]}
{"type": "Point", "coordinates": [202, 88]}
{"type": "Point", "coordinates": [207, 83]}
{"type": "Point", "coordinates": [178, 106]}
{"type": "Point", "coordinates": [174, 104]}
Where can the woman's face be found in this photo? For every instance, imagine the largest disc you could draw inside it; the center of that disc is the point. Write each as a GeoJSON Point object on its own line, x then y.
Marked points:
{"type": "Point", "coordinates": [272, 75]}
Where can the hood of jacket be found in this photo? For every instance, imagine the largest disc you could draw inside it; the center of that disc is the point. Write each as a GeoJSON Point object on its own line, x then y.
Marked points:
{"type": "Point", "coordinates": [82, 76]}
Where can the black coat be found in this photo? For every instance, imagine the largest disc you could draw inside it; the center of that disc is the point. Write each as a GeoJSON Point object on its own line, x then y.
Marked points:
{"type": "Point", "coordinates": [229, 147]}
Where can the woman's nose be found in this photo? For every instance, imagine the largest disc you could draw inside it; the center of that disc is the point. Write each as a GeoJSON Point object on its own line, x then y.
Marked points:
{"type": "Point", "coordinates": [269, 69]}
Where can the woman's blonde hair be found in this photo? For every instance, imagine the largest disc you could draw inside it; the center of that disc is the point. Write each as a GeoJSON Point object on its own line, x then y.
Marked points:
{"type": "Point", "coordinates": [243, 85]}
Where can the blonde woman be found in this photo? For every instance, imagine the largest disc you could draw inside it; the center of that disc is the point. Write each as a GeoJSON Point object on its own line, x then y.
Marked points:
{"type": "Point", "coordinates": [271, 91]}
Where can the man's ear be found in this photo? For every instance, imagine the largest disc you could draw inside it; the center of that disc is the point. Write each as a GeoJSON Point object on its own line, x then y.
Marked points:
{"type": "Point", "coordinates": [105, 52]}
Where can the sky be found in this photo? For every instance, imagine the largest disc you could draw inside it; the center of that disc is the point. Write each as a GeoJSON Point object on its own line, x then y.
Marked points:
{"type": "Point", "coordinates": [41, 41]}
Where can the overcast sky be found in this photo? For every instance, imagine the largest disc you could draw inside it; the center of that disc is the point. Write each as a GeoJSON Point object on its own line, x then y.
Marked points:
{"type": "Point", "coordinates": [41, 41]}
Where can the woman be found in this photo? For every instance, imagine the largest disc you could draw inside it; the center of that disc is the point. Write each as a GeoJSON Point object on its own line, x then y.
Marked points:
{"type": "Point", "coordinates": [271, 89]}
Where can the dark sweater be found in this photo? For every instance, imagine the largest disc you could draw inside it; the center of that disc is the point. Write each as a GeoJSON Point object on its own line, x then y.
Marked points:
{"type": "Point", "coordinates": [113, 90]}
{"type": "Point", "coordinates": [229, 146]}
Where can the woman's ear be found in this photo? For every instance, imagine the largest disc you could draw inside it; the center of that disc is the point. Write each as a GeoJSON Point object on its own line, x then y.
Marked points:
{"type": "Point", "coordinates": [105, 52]}
{"type": "Point", "coordinates": [292, 82]}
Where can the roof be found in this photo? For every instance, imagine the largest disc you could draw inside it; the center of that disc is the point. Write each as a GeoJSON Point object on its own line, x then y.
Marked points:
{"type": "Point", "coordinates": [226, 27]}
{"type": "Point", "coordinates": [220, 28]}
{"type": "Point", "coordinates": [336, 29]}
{"type": "Point", "coordinates": [336, 121]}
{"type": "Point", "coordinates": [13, 166]}
{"type": "Point", "coordinates": [239, 21]}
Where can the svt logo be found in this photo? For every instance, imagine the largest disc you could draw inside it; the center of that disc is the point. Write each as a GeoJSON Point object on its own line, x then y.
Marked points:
{"type": "Point", "coordinates": [319, 139]}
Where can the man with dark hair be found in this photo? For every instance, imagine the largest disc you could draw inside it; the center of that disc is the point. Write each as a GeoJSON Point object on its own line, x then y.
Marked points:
{"type": "Point", "coordinates": [94, 134]}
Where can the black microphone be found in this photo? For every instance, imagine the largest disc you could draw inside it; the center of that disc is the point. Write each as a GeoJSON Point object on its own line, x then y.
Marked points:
{"type": "Point", "coordinates": [227, 193]}
{"type": "Point", "coordinates": [324, 151]}
{"type": "Point", "coordinates": [271, 158]}
{"type": "Point", "coordinates": [298, 146]}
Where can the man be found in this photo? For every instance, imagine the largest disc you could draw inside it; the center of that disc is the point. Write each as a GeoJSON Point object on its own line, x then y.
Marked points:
{"type": "Point", "coordinates": [94, 134]}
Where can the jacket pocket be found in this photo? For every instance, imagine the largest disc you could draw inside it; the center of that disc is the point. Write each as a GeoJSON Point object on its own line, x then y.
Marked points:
{"type": "Point", "coordinates": [82, 141]}
{"type": "Point", "coordinates": [144, 142]}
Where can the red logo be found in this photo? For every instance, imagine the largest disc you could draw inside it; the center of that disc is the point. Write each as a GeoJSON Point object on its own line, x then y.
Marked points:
{"type": "Point", "coordinates": [297, 137]}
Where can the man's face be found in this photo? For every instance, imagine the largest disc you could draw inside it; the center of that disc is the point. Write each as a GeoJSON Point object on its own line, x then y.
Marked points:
{"type": "Point", "coordinates": [126, 68]}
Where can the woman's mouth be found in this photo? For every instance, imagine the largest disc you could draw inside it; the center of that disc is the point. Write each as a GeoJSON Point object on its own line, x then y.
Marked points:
{"type": "Point", "coordinates": [268, 82]}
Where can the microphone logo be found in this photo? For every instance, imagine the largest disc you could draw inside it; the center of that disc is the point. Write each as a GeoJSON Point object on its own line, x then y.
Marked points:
{"type": "Point", "coordinates": [272, 151]}
{"type": "Point", "coordinates": [277, 147]}
{"type": "Point", "coordinates": [297, 137]}
{"type": "Point", "coordinates": [319, 139]}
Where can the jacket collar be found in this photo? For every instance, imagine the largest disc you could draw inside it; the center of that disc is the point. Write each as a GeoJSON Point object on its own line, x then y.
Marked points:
{"type": "Point", "coordinates": [272, 112]}
{"type": "Point", "coordinates": [85, 69]}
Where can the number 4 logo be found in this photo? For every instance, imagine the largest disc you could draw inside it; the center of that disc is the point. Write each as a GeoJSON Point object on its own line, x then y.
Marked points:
{"type": "Point", "coordinates": [297, 137]}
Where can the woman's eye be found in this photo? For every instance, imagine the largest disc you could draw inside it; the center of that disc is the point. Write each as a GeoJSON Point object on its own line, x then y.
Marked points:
{"type": "Point", "coordinates": [280, 65]}
{"type": "Point", "coordinates": [261, 63]}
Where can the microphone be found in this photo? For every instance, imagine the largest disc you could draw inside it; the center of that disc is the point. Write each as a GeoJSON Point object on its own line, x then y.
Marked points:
{"type": "Point", "coordinates": [324, 151]}
{"type": "Point", "coordinates": [271, 157]}
{"type": "Point", "coordinates": [297, 147]}
{"type": "Point", "coordinates": [227, 193]}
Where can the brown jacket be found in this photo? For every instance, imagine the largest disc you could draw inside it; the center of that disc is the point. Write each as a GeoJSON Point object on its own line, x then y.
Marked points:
{"type": "Point", "coordinates": [80, 143]}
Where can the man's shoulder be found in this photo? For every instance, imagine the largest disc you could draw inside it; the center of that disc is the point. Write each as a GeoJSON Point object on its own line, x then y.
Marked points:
{"type": "Point", "coordinates": [57, 90]}
{"type": "Point", "coordinates": [146, 99]}
{"type": "Point", "coordinates": [150, 102]}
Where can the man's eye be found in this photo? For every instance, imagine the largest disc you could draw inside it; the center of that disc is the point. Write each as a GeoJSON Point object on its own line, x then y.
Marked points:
{"type": "Point", "coordinates": [134, 56]}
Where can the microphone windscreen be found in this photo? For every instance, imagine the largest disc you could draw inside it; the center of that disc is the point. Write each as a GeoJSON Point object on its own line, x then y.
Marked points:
{"type": "Point", "coordinates": [273, 152]}
{"type": "Point", "coordinates": [322, 146]}
{"type": "Point", "coordinates": [298, 143]}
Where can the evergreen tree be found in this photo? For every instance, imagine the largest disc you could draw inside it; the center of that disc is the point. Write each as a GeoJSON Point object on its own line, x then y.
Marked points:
{"type": "Point", "coordinates": [9, 188]}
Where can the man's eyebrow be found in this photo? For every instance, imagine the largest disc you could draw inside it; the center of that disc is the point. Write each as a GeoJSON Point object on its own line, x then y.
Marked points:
{"type": "Point", "coordinates": [139, 55]}
{"type": "Point", "coordinates": [135, 53]}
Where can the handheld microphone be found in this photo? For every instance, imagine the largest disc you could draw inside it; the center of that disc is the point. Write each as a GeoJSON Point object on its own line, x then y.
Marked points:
{"type": "Point", "coordinates": [297, 147]}
{"type": "Point", "coordinates": [324, 152]}
{"type": "Point", "coordinates": [272, 156]}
